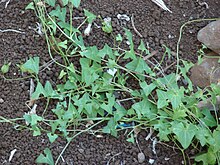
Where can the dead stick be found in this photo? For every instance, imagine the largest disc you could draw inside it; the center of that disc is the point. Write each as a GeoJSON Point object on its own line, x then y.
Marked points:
{"type": "Point", "coordinates": [132, 23]}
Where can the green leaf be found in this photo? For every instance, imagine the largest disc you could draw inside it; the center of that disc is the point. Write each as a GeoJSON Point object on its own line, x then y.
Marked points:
{"type": "Point", "coordinates": [119, 38]}
{"type": "Point", "coordinates": [51, 137]}
{"type": "Point", "coordinates": [184, 134]}
{"type": "Point", "coordinates": [31, 66]}
{"type": "Point", "coordinates": [111, 127]}
{"type": "Point", "coordinates": [175, 97]}
{"type": "Point", "coordinates": [5, 68]}
{"type": "Point", "coordinates": [167, 51]}
{"type": "Point", "coordinates": [143, 48]}
{"type": "Point", "coordinates": [216, 136]}
{"type": "Point", "coordinates": [209, 120]}
{"type": "Point", "coordinates": [168, 80]}
{"type": "Point", "coordinates": [216, 88]}
{"type": "Point", "coordinates": [30, 6]}
{"type": "Point", "coordinates": [92, 53]}
{"type": "Point", "coordinates": [129, 38]}
{"type": "Point", "coordinates": [90, 16]}
{"type": "Point", "coordinates": [51, 2]}
{"type": "Point", "coordinates": [47, 158]}
{"type": "Point", "coordinates": [163, 128]}
{"type": "Point", "coordinates": [59, 13]}
{"type": "Point", "coordinates": [48, 89]}
{"type": "Point", "coordinates": [32, 119]}
{"type": "Point", "coordinates": [208, 158]}
{"type": "Point", "coordinates": [107, 26]}
{"type": "Point", "coordinates": [202, 135]}
{"type": "Point", "coordinates": [179, 113]}
{"type": "Point", "coordinates": [65, 2]}
{"type": "Point", "coordinates": [81, 103]}
{"type": "Point", "coordinates": [147, 88]}
{"type": "Point", "coordinates": [131, 139]}
{"type": "Point", "coordinates": [162, 99]}
{"type": "Point", "coordinates": [184, 70]}
{"type": "Point", "coordinates": [38, 91]}
{"type": "Point", "coordinates": [89, 74]}
{"type": "Point", "coordinates": [37, 131]}
{"type": "Point", "coordinates": [106, 51]}
{"type": "Point", "coordinates": [145, 108]}
{"type": "Point", "coordinates": [75, 3]}
{"type": "Point", "coordinates": [139, 65]}
{"type": "Point", "coordinates": [109, 106]}
{"type": "Point", "coordinates": [62, 44]}
{"type": "Point", "coordinates": [62, 74]}
{"type": "Point", "coordinates": [67, 27]}
{"type": "Point", "coordinates": [119, 112]}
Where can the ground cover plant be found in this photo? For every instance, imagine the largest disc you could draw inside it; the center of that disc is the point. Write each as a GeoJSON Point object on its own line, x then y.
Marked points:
{"type": "Point", "coordinates": [86, 95]}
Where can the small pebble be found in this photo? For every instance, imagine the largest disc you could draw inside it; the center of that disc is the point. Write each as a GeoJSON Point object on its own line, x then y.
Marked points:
{"type": "Point", "coordinates": [81, 150]}
{"type": "Point", "coordinates": [151, 161]}
{"type": "Point", "coordinates": [1, 101]}
{"type": "Point", "coordinates": [141, 157]}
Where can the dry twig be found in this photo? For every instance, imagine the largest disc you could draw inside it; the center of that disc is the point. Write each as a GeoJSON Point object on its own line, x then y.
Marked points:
{"type": "Point", "coordinates": [6, 4]}
{"type": "Point", "coordinates": [132, 23]}
{"type": "Point", "coordinates": [161, 4]}
{"type": "Point", "coordinates": [11, 30]}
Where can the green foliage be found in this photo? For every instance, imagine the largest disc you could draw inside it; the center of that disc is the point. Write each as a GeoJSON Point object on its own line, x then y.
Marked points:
{"type": "Point", "coordinates": [31, 66]}
{"type": "Point", "coordinates": [90, 16]}
{"type": "Point", "coordinates": [5, 68]}
{"type": "Point", "coordinates": [47, 158]}
{"type": "Point", "coordinates": [87, 93]}
{"type": "Point", "coordinates": [30, 6]}
{"type": "Point", "coordinates": [107, 26]}
{"type": "Point", "coordinates": [184, 134]}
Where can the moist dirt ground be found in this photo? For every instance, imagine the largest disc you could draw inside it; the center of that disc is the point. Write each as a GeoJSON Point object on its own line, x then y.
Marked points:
{"type": "Point", "coordinates": [156, 27]}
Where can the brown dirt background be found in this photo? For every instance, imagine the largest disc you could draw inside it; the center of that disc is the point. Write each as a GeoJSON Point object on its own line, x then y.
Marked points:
{"type": "Point", "coordinates": [157, 27]}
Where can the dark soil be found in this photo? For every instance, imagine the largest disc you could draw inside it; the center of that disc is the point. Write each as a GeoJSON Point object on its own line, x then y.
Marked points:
{"type": "Point", "coordinates": [156, 26]}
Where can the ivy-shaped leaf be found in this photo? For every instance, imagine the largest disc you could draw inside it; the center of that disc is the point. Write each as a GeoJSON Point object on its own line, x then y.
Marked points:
{"type": "Point", "coordinates": [92, 53]}
{"type": "Point", "coordinates": [209, 120]}
{"type": "Point", "coordinates": [51, 2]}
{"type": "Point", "coordinates": [145, 108]}
{"type": "Point", "coordinates": [47, 158]}
{"type": "Point", "coordinates": [162, 99]}
{"type": "Point", "coordinates": [109, 106]}
{"type": "Point", "coordinates": [183, 133]}
{"type": "Point", "coordinates": [208, 158]}
{"type": "Point", "coordinates": [147, 88]}
{"type": "Point", "coordinates": [143, 48]}
{"type": "Point", "coordinates": [90, 16]}
{"type": "Point", "coordinates": [38, 91]}
{"type": "Point", "coordinates": [51, 137]}
{"type": "Point", "coordinates": [175, 97]}
{"type": "Point", "coordinates": [89, 74]}
{"type": "Point", "coordinates": [111, 127]}
{"type": "Point", "coordinates": [139, 65]}
{"type": "Point", "coordinates": [31, 66]}
{"type": "Point", "coordinates": [32, 119]}
{"type": "Point", "coordinates": [59, 13]}
{"type": "Point", "coordinates": [75, 3]}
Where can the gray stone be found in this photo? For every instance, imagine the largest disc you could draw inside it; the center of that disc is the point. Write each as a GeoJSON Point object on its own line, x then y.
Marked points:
{"type": "Point", "coordinates": [141, 157]}
{"type": "Point", "coordinates": [1, 101]}
{"type": "Point", "coordinates": [210, 36]}
{"type": "Point", "coordinates": [207, 72]}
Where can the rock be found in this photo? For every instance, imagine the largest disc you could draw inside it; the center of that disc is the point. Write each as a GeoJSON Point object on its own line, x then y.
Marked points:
{"type": "Point", "coordinates": [151, 161]}
{"type": "Point", "coordinates": [81, 150]}
{"type": "Point", "coordinates": [1, 101]}
{"type": "Point", "coordinates": [141, 157]}
{"type": "Point", "coordinates": [207, 72]}
{"type": "Point", "coordinates": [210, 36]}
